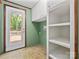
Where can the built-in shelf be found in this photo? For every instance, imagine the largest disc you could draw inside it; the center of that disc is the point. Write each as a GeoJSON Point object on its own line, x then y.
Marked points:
{"type": "Point", "coordinates": [60, 24]}
{"type": "Point", "coordinates": [55, 6]}
{"type": "Point", "coordinates": [63, 43]}
{"type": "Point", "coordinates": [58, 56]}
{"type": "Point", "coordinates": [59, 29]}
{"type": "Point", "coordinates": [59, 53]}
{"type": "Point", "coordinates": [40, 19]}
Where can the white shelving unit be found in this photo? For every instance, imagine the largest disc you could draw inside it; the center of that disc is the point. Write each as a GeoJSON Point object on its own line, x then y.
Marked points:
{"type": "Point", "coordinates": [59, 29]}
{"type": "Point", "coordinates": [58, 4]}
{"type": "Point", "coordinates": [58, 52]}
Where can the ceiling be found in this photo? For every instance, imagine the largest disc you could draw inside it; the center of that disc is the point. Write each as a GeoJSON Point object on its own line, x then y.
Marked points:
{"type": "Point", "coordinates": [26, 3]}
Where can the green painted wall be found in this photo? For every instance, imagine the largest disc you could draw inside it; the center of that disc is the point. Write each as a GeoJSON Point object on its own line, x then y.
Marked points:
{"type": "Point", "coordinates": [32, 32]}
{"type": "Point", "coordinates": [1, 30]}
{"type": "Point", "coordinates": [42, 34]}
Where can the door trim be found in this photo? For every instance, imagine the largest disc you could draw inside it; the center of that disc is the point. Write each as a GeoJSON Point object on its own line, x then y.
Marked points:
{"type": "Point", "coordinates": [5, 25]}
{"type": "Point", "coordinates": [16, 4]}
{"type": "Point", "coordinates": [76, 28]}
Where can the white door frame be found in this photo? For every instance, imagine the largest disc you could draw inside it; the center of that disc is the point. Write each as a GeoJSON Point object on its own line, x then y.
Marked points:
{"type": "Point", "coordinates": [19, 44]}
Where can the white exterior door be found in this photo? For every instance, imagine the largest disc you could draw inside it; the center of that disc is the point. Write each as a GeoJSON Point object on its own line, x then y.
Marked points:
{"type": "Point", "coordinates": [15, 28]}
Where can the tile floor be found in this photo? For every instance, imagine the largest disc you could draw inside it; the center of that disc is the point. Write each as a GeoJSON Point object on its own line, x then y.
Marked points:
{"type": "Point", "coordinates": [36, 52]}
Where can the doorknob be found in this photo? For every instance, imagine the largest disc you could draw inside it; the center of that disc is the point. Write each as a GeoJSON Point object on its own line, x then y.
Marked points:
{"type": "Point", "coordinates": [23, 30]}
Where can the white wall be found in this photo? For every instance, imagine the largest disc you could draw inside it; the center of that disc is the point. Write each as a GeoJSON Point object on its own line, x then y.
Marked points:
{"type": "Point", "coordinates": [39, 10]}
